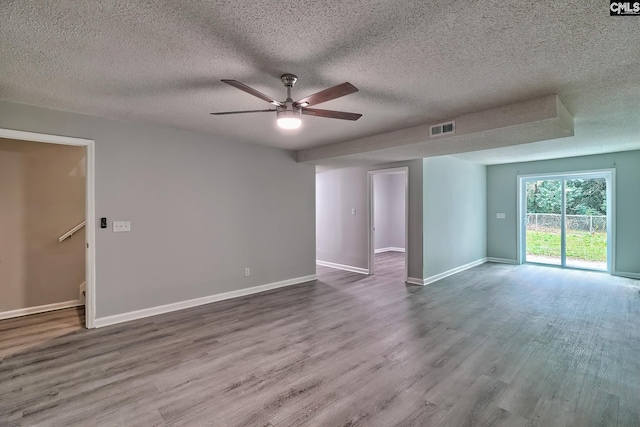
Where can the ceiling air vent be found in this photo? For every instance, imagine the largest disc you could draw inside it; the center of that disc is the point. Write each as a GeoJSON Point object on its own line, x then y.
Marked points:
{"type": "Point", "coordinates": [442, 129]}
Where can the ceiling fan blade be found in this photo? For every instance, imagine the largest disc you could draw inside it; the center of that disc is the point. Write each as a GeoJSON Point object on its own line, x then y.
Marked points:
{"type": "Point", "coordinates": [240, 112]}
{"type": "Point", "coordinates": [243, 87]}
{"type": "Point", "coordinates": [327, 95]}
{"type": "Point", "coordinates": [329, 114]}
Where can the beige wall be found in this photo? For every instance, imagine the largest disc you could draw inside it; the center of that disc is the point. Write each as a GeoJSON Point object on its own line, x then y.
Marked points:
{"type": "Point", "coordinates": [12, 247]}
{"type": "Point", "coordinates": [42, 191]}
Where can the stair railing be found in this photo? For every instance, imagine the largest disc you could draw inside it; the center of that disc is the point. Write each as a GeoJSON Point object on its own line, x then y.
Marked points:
{"type": "Point", "coordinates": [71, 232]}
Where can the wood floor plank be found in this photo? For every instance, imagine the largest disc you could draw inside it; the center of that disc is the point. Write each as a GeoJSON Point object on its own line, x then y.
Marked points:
{"type": "Point", "coordinates": [496, 345]}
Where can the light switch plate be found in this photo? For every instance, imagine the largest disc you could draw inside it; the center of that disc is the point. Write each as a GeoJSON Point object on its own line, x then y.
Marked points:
{"type": "Point", "coordinates": [121, 226]}
{"type": "Point", "coordinates": [500, 215]}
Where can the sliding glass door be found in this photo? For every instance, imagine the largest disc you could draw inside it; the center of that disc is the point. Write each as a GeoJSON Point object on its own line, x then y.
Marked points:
{"type": "Point", "coordinates": [566, 220]}
{"type": "Point", "coordinates": [586, 223]}
{"type": "Point", "coordinates": [543, 218]}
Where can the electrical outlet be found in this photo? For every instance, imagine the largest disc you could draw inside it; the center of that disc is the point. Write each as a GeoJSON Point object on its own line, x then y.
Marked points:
{"type": "Point", "coordinates": [500, 215]}
{"type": "Point", "coordinates": [121, 226]}
{"type": "Point", "coordinates": [353, 211]}
{"type": "Point", "coordinates": [247, 272]}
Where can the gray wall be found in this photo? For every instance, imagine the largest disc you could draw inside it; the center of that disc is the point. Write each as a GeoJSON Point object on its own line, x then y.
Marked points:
{"type": "Point", "coordinates": [389, 210]}
{"type": "Point", "coordinates": [42, 192]}
{"type": "Point", "coordinates": [502, 197]}
{"type": "Point", "coordinates": [341, 236]}
{"type": "Point", "coordinates": [397, 206]}
{"type": "Point", "coordinates": [454, 214]}
{"type": "Point", "coordinates": [201, 210]}
{"type": "Point", "coordinates": [381, 212]}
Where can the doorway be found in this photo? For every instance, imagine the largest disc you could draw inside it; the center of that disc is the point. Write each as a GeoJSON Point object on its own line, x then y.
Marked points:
{"type": "Point", "coordinates": [54, 241]}
{"type": "Point", "coordinates": [388, 219]}
{"type": "Point", "coordinates": [566, 220]}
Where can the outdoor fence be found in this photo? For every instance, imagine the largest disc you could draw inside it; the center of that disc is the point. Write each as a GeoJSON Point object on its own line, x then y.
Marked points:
{"type": "Point", "coordinates": [551, 223]}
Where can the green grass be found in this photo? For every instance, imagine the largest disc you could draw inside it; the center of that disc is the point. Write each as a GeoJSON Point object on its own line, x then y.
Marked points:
{"type": "Point", "coordinates": [580, 245]}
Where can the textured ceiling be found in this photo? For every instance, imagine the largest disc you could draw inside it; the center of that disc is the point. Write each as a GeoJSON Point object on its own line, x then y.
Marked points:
{"type": "Point", "coordinates": [414, 61]}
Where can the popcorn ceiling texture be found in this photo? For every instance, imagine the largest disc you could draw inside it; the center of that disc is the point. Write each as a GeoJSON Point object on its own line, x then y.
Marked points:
{"type": "Point", "coordinates": [414, 61]}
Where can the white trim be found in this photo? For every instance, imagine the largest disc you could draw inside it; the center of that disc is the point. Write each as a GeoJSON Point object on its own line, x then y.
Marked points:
{"type": "Point", "coordinates": [39, 309]}
{"type": "Point", "coordinates": [625, 274]}
{"type": "Point", "coordinates": [389, 249]}
{"type": "Point", "coordinates": [343, 267]}
{"type": "Point", "coordinates": [611, 221]}
{"type": "Point", "coordinates": [521, 209]}
{"type": "Point", "coordinates": [43, 137]}
{"type": "Point", "coordinates": [502, 260]}
{"type": "Point", "coordinates": [168, 308]}
{"type": "Point", "coordinates": [90, 207]}
{"type": "Point", "coordinates": [414, 281]}
{"type": "Point", "coordinates": [453, 271]}
{"type": "Point", "coordinates": [90, 235]}
{"type": "Point", "coordinates": [551, 175]}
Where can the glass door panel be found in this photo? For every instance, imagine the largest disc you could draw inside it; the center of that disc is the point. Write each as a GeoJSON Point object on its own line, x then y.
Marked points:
{"type": "Point", "coordinates": [543, 221]}
{"type": "Point", "coordinates": [586, 223]}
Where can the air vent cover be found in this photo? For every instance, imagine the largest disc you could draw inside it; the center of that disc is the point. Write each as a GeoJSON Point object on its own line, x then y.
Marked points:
{"type": "Point", "coordinates": [442, 129]}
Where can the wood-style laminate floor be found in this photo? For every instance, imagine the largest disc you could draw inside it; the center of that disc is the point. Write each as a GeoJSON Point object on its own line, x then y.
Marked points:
{"type": "Point", "coordinates": [493, 345]}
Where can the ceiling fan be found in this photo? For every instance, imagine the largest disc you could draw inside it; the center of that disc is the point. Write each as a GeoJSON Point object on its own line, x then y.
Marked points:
{"type": "Point", "coordinates": [289, 112]}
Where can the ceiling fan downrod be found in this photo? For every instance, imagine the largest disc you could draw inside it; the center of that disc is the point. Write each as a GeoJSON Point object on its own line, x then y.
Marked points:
{"type": "Point", "coordinates": [289, 115]}
{"type": "Point", "coordinates": [289, 80]}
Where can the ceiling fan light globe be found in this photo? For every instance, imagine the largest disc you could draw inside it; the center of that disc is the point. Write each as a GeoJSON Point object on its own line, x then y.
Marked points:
{"type": "Point", "coordinates": [289, 123]}
{"type": "Point", "coordinates": [289, 119]}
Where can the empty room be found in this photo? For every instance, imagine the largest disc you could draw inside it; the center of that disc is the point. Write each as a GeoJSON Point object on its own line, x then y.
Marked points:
{"type": "Point", "coordinates": [357, 213]}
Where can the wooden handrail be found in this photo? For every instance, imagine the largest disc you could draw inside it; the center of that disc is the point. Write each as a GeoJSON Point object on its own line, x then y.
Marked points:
{"type": "Point", "coordinates": [71, 232]}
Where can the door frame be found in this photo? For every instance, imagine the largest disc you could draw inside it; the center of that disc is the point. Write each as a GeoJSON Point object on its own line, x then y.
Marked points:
{"type": "Point", "coordinates": [370, 218]}
{"type": "Point", "coordinates": [90, 230]}
{"type": "Point", "coordinates": [609, 174]}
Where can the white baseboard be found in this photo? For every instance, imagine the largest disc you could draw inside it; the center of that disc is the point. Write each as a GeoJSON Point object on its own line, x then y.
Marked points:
{"type": "Point", "coordinates": [414, 281]}
{"type": "Point", "coordinates": [39, 309]}
{"type": "Point", "coordinates": [343, 267]}
{"type": "Point", "coordinates": [181, 305]}
{"type": "Point", "coordinates": [502, 260]}
{"type": "Point", "coordinates": [628, 275]}
{"type": "Point", "coordinates": [389, 249]}
{"type": "Point", "coordinates": [453, 271]}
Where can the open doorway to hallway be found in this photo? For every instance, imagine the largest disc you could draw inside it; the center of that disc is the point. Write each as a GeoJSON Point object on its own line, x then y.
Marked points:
{"type": "Point", "coordinates": [388, 219]}
{"type": "Point", "coordinates": [43, 200]}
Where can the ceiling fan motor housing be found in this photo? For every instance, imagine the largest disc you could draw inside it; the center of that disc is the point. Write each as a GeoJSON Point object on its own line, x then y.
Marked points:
{"type": "Point", "coordinates": [289, 109]}
{"type": "Point", "coordinates": [289, 79]}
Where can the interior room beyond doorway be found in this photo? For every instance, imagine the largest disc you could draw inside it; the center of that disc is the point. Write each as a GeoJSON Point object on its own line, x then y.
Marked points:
{"type": "Point", "coordinates": [42, 198]}
{"type": "Point", "coordinates": [47, 210]}
{"type": "Point", "coordinates": [389, 220]}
